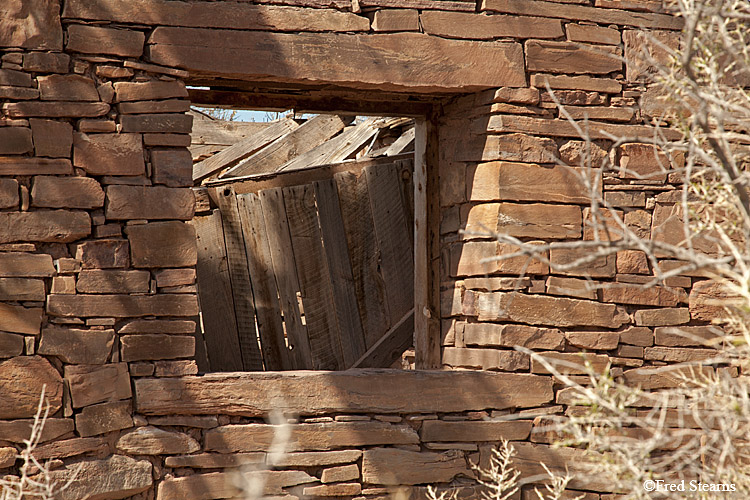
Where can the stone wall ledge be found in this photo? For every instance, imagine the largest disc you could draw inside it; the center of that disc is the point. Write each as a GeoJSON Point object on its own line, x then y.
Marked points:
{"type": "Point", "coordinates": [350, 391]}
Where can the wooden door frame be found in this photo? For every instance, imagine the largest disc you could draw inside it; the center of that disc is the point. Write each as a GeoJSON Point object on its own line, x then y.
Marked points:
{"type": "Point", "coordinates": [426, 189]}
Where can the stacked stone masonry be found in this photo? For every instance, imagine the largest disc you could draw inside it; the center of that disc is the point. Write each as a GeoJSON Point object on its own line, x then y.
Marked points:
{"type": "Point", "coordinates": [97, 255]}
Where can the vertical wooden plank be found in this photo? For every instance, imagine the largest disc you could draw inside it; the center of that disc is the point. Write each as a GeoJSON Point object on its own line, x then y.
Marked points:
{"type": "Point", "coordinates": [265, 293]}
{"type": "Point", "coordinates": [284, 269]}
{"type": "Point", "coordinates": [406, 171]}
{"type": "Point", "coordinates": [240, 277]}
{"type": "Point", "coordinates": [369, 285]}
{"type": "Point", "coordinates": [312, 271]}
{"type": "Point", "coordinates": [391, 232]}
{"type": "Point", "coordinates": [426, 246]}
{"type": "Point", "coordinates": [201, 356]}
{"type": "Point", "coordinates": [352, 338]}
{"type": "Point", "coordinates": [215, 295]}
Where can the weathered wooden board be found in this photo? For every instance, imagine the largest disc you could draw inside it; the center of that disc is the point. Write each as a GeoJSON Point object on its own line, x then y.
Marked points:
{"type": "Point", "coordinates": [215, 295]}
{"type": "Point", "coordinates": [242, 149]}
{"type": "Point", "coordinates": [368, 282]}
{"type": "Point", "coordinates": [337, 149]}
{"type": "Point", "coordinates": [352, 337]}
{"type": "Point", "coordinates": [402, 144]}
{"type": "Point", "coordinates": [267, 309]}
{"type": "Point", "coordinates": [240, 277]}
{"type": "Point", "coordinates": [259, 182]}
{"type": "Point", "coordinates": [307, 136]}
{"type": "Point", "coordinates": [393, 241]}
{"type": "Point", "coordinates": [390, 346]}
{"type": "Point", "coordinates": [314, 278]}
{"type": "Point", "coordinates": [208, 131]}
{"type": "Point", "coordinates": [426, 246]}
{"type": "Point", "coordinates": [366, 391]}
{"type": "Point", "coordinates": [431, 64]}
{"type": "Point", "coordinates": [282, 258]}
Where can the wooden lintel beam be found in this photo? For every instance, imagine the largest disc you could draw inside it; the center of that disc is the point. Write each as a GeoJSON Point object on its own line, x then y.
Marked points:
{"type": "Point", "coordinates": [326, 103]}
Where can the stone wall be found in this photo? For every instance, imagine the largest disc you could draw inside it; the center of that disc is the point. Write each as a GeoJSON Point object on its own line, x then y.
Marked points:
{"type": "Point", "coordinates": [97, 259]}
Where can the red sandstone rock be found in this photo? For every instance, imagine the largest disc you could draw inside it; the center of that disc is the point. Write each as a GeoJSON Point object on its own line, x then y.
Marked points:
{"type": "Point", "coordinates": [440, 430]}
{"type": "Point", "coordinates": [67, 88]}
{"type": "Point", "coordinates": [15, 140]}
{"type": "Point", "coordinates": [485, 359]}
{"type": "Point", "coordinates": [91, 384]}
{"type": "Point", "coordinates": [8, 193]}
{"type": "Point", "coordinates": [46, 62]}
{"type": "Point", "coordinates": [488, 334]}
{"type": "Point", "coordinates": [146, 202]}
{"type": "Point", "coordinates": [665, 316]}
{"type": "Point", "coordinates": [482, 27]}
{"type": "Point", "coordinates": [394, 467]}
{"type": "Point", "coordinates": [571, 363]}
{"type": "Point", "coordinates": [66, 192]}
{"type": "Point", "coordinates": [147, 91]}
{"type": "Point", "coordinates": [109, 154]}
{"type": "Point", "coordinates": [682, 336]}
{"type": "Point", "coordinates": [21, 382]}
{"type": "Point", "coordinates": [51, 137]}
{"type": "Point", "coordinates": [99, 40]}
{"type": "Point", "coordinates": [172, 167]}
{"type": "Point", "coordinates": [599, 341]}
{"type": "Point", "coordinates": [20, 319]}
{"type": "Point", "coordinates": [104, 417]}
{"type": "Point", "coordinates": [102, 254]}
{"type": "Point", "coordinates": [122, 306]}
{"type": "Point", "coordinates": [21, 289]}
{"type": "Point", "coordinates": [169, 123]}
{"type": "Point", "coordinates": [54, 109]}
{"type": "Point", "coordinates": [113, 281]}
{"type": "Point", "coordinates": [163, 244]}
{"type": "Point", "coordinates": [116, 477]}
{"type": "Point", "coordinates": [154, 441]}
{"type": "Point", "coordinates": [30, 24]}
{"type": "Point", "coordinates": [506, 181]}
{"type": "Point", "coordinates": [147, 347]}
{"type": "Point", "coordinates": [396, 20]}
{"type": "Point", "coordinates": [567, 57]}
{"type": "Point", "coordinates": [532, 220]}
{"type": "Point", "coordinates": [77, 346]}
{"type": "Point", "coordinates": [709, 300]}
{"type": "Point", "coordinates": [317, 436]}
{"type": "Point", "coordinates": [601, 267]}
{"type": "Point", "coordinates": [551, 311]}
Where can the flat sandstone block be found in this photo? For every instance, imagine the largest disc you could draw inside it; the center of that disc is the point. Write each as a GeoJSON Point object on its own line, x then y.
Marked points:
{"type": "Point", "coordinates": [381, 61]}
{"type": "Point", "coordinates": [310, 393]}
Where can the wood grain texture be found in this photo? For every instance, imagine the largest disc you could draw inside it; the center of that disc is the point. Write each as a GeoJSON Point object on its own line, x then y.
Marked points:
{"type": "Point", "coordinates": [393, 242]}
{"type": "Point", "coordinates": [314, 278]}
{"type": "Point", "coordinates": [352, 336]}
{"type": "Point", "coordinates": [282, 257]}
{"type": "Point", "coordinates": [390, 346]}
{"type": "Point", "coordinates": [368, 282]}
{"type": "Point", "coordinates": [240, 276]}
{"type": "Point", "coordinates": [307, 136]}
{"type": "Point", "coordinates": [276, 355]}
{"type": "Point", "coordinates": [241, 150]}
{"type": "Point", "coordinates": [215, 295]}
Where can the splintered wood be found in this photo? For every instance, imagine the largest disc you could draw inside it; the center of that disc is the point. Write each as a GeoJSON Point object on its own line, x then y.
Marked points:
{"type": "Point", "coordinates": [320, 265]}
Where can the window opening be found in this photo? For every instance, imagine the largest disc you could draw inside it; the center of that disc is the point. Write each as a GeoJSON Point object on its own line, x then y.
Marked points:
{"type": "Point", "coordinates": [305, 228]}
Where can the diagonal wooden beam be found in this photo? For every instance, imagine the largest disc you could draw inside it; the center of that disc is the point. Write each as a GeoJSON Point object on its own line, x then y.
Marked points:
{"type": "Point", "coordinates": [390, 346]}
{"type": "Point", "coordinates": [242, 149]}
